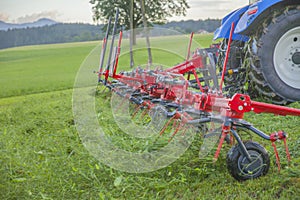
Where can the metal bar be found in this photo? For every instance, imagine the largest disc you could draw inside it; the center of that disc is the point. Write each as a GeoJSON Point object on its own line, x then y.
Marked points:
{"type": "Point", "coordinates": [104, 44]}
{"type": "Point", "coordinates": [241, 144]}
{"type": "Point", "coordinates": [189, 53]}
{"type": "Point", "coordinates": [189, 47]}
{"type": "Point", "coordinates": [227, 55]}
{"type": "Point", "coordinates": [118, 53]}
{"type": "Point", "coordinates": [199, 121]}
{"type": "Point", "coordinates": [113, 61]}
{"type": "Point", "coordinates": [259, 107]}
{"type": "Point", "coordinates": [223, 135]}
{"type": "Point", "coordinates": [212, 70]}
{"type": "Point", "coordinates": [111, 47]}
{"type": "Point", "coordinates": [254, 130]}
{"type": "Point", "coordinates": [197, 80]}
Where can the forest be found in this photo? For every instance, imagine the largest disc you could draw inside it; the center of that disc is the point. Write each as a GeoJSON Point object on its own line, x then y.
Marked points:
{"type": "Point", "coordinates": [58, 33]}
{"type": "Point", "coordinates": [77, 32]}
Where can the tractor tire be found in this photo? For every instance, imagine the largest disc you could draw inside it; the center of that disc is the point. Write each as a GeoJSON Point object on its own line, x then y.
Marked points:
{"type": "Point", "coordinates": [275, 59]}
{"type": "Point", "coordinates": [234, 83]}
{"type": "Point", "coordinates": [241, 169]}
{"type": "Point", "coordinates": [237, 82]}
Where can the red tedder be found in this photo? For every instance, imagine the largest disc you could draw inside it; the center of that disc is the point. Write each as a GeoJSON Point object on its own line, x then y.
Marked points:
{"type": "Point", "coordinates": [195, 101]}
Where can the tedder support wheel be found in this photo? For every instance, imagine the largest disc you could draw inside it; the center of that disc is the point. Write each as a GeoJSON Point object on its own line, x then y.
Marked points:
{"type": "Point", "coordinates": [276, 57]}
{"type": "Point", "coordinates": [241, 168]}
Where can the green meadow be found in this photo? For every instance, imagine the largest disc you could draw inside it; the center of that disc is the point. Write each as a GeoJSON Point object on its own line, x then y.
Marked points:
{"type": "Point", "coordinates": [45, 68]}
{"type": "Point", "coordinates": [42, 155]}
{"type": "Point", "coordinates": [35, 69]}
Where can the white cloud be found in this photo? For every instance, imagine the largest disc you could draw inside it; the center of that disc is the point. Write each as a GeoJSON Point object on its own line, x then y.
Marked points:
{"type": "Point", "coordinates": [4, 17]}
{"type": "Point", "coordinates": [35, 16]}
{"type": "Point", "coordinates": [203, 9]}
{"type": "Point", "coordinates": [80, 10]}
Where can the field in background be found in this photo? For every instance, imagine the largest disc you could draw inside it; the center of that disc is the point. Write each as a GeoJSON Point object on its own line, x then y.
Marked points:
{"type": "Point", "coordinates": [44, 68]}
{"type": "Point", "coordinates": [41, 155]}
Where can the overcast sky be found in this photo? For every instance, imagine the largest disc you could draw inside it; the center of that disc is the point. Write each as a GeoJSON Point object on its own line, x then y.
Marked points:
{"type": "Point", "coordinates": [20, 11]}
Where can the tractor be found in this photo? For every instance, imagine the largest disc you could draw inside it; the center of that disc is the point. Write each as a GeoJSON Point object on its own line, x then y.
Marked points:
{"type": "Point", "coordinates": [265, 51]}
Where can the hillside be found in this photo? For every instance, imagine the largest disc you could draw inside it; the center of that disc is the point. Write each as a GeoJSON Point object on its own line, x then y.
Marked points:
{"type": "Point", "coordinates": [39, 23]}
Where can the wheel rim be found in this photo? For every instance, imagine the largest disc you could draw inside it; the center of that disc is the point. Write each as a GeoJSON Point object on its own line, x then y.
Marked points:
{"type": "Point", "coordinates": [286, 58]}
{"type": "Point", "coordinates": [253, 168]}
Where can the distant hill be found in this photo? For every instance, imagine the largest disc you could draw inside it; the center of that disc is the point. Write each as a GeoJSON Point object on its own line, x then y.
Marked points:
{"type": "Point", "coordinates": [47, 31]}
{"type": "Point", "coordinates": [39, 23]}
{"type": "Point", "coordinates": [57, 33]}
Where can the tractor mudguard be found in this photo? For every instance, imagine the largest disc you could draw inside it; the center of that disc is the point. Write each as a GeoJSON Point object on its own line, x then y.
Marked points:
{"type": "Point", "coordinates": [224, 30]}
{"type": "Point", "coordinates": [251, 14]}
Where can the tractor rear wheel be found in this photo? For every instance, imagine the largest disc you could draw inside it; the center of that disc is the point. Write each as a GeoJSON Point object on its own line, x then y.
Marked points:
{"type": "Point", "coordinates": [235, 82]}
{"type": "Point", "coordinates": [275, 67]}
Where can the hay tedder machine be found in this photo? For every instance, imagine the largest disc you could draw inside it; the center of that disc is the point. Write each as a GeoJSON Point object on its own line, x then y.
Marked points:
{"type": "Point", "coordinates": [191, 93]}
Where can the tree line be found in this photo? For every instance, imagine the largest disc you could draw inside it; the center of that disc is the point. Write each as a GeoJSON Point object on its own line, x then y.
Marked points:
{"type": "Point", "coordinates": [77, 32]}
{"type": "Point", "coordinates": [209, 25]}
{"type": "Point", "coordinates": [58, 33]}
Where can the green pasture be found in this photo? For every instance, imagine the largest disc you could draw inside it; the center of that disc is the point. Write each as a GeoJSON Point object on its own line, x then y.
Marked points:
{"type": "Point", "coordinates": [34, 69]}
{"type": "Point", "coordinates": [44, 68]}
{"type": "Point", "coordinates": [42, 156]}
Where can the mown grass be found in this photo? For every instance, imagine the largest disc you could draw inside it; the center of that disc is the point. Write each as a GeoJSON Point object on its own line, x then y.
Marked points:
{"type": "Point", "coordinates": [42, 157]}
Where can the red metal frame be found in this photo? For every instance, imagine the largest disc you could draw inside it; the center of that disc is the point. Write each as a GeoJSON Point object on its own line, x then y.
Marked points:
{"type": "Point", "coordinates": [170, 85]}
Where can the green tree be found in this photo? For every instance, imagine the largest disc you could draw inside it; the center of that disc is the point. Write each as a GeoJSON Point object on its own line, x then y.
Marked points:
{"type": "Point", "coordinates": [156, 11]}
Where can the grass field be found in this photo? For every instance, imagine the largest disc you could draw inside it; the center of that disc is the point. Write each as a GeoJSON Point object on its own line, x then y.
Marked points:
{"type": "Point", "coordinates": [34, 69]}
{"type": "Point", "coordinates": [42, 157]}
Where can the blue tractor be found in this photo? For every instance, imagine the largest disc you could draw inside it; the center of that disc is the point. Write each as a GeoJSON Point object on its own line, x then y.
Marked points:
{"type": "Point", "coordinates": [265, 53]}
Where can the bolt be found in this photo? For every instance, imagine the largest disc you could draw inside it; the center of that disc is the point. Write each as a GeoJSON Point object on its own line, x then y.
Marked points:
{"type": "Point", "coordinates": [245, 104]}
{"type": "Point", "coordinates": [240, 107]}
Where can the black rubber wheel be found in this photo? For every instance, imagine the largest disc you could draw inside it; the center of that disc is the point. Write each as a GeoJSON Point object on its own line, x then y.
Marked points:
{"type": "Point", "coordinates": [275, 69]}
{"type": "Point", "coordinates": [239, 166]}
